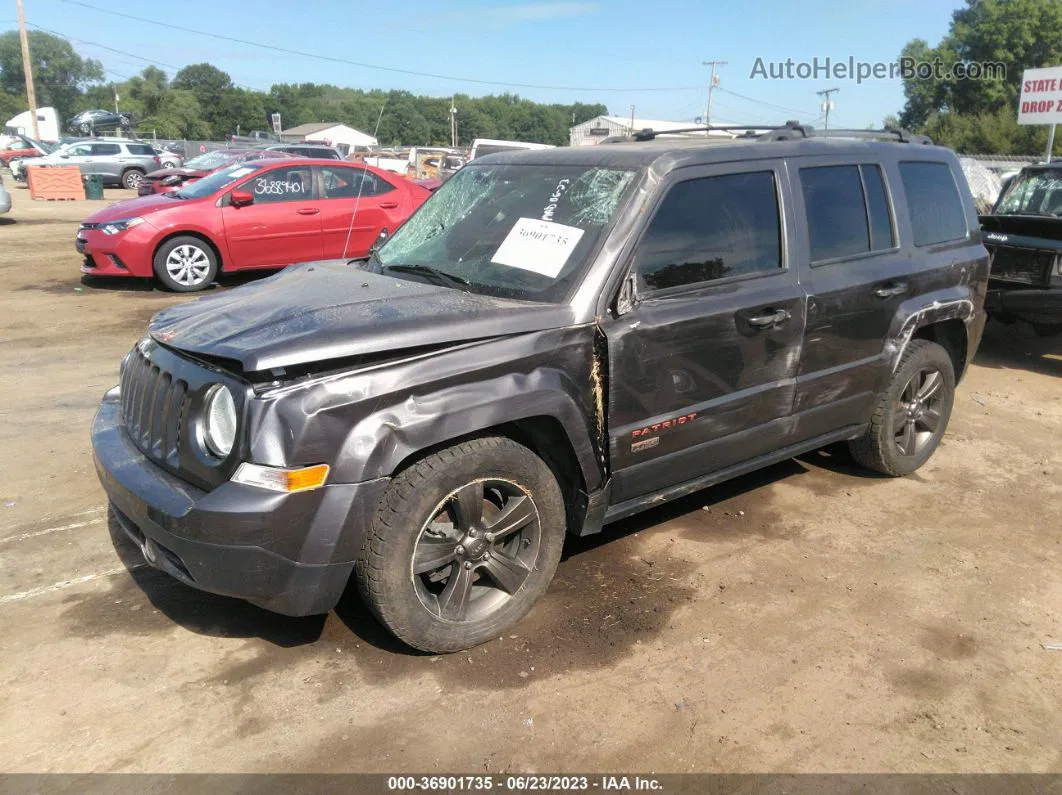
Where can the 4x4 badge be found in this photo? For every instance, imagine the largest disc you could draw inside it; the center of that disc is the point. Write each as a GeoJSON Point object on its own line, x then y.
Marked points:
{"type": "Point", "coordinates": [645, 444]}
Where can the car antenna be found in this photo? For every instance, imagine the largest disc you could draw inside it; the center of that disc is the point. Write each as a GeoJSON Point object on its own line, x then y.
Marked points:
{"type": "Point", "coordinates": [361, 185]}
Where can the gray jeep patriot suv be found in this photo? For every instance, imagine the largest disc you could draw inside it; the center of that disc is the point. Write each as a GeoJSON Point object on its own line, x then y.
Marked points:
{"type": "Point", "coordinates": [557, 339]}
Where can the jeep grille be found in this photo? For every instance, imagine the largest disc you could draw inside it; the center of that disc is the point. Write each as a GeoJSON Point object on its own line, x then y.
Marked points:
{"type": "Point", "coordinates": [154, 407]}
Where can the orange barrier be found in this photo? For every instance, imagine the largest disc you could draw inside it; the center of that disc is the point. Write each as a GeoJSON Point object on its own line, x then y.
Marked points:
{"type": "Point", "coordinates": [55, 182]}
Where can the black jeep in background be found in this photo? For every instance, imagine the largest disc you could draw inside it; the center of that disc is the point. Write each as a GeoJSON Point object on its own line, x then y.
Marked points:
{"type": "Point", "coordinates": [1023, 235]}
{"type": "Point", "coordinates": [556, 340]}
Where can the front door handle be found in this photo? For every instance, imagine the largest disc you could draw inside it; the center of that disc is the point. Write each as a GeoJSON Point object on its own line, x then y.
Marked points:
{"type": "Point", "coordinates": [891, 290]}
{"type": "Point", "coordinates": [769, 320]}
{"type": "Point", "coordinates": [308, 211]}
{"type": "Point", "coordinates": [389, 206]}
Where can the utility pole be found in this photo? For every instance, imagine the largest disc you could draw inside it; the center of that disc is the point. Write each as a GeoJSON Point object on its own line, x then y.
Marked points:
{"type": "Point", "coordinates": [827, 106]}
{"type": "Point", "coordinates": [713, 81]}
{"type": "Point", "coordinates": [31, 96]}
{"type": "Point", "coordinates": [453, 123]}
{"type": "Point", "coordinates": [632, 119]}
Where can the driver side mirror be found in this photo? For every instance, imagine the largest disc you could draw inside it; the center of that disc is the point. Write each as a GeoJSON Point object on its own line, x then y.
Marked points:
{"type": "Point", "coordinates": [241, 198]}
{"type": "Point", "coordinates": [65, 156]}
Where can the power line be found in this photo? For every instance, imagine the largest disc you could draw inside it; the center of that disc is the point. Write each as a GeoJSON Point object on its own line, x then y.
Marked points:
{"type": "Point", "coordinates": [123, 52]}
{"type": "Point", "coordinates": [170, 26]}
{"type": "Point", "coordinates": [771, 105]}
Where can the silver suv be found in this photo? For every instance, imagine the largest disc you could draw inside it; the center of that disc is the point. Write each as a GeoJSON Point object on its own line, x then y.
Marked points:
{"type": "Point", "coordinates": [116, 160]}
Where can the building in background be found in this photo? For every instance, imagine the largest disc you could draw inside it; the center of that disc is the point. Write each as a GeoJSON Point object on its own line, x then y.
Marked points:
{"type": "Point", "coordinates": [594, 130]}
{"type": "Point", "coordinates": [327, 133]}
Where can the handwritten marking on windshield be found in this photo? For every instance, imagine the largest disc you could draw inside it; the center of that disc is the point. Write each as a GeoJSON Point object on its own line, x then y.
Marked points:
{"type": "Point", "coordinates": [558, 192]}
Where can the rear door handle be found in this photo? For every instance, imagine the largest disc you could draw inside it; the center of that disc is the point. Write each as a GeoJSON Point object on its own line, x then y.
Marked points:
{"type": "Point", "coordinates": [389, 206]}
{"type": "Point", "coordinates": [891, 290]}
{"type": "Point", "coordinates": [769, 320]}
{"type": "Point", "coordinates": [308, 211]}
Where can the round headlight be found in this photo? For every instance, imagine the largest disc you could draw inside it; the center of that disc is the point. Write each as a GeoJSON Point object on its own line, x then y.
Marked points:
{"type": "Point", "coordinates": [220, 424]}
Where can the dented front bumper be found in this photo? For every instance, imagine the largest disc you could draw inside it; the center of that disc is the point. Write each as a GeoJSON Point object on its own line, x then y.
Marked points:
{"type": "Point", "coordinates": [289, 553]}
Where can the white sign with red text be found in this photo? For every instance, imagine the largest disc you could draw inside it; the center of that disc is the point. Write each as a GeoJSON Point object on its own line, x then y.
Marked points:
{"type": "Point", "coordinates": [1041, 96]}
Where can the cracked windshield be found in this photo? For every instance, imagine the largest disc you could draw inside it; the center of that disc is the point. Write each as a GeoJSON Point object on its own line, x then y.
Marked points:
{"type": "Point", "coordinates": [509, 230]}
{"type": "Point", "coordinates": [1034, 193]}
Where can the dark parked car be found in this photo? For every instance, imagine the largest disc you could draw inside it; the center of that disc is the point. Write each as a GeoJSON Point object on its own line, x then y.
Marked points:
{"type": "Point", "coordinates": [556, 340]}
{"type": "Point", "coordinates": [87, 122]}
{"type": "Point", "coordinates": [319, 151]}
{"type": "Point", "coordinates": [168, 180]}
{"type": "Point", "coordinates": [1024, 237]}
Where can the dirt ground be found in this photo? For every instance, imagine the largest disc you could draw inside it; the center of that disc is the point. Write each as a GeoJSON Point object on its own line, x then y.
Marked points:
{"type": "Point", "coordinates": [805, 618]}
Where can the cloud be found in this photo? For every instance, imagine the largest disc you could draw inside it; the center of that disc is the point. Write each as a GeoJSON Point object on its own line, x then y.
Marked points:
{"type": "Point", "coordinates": [538, 12]}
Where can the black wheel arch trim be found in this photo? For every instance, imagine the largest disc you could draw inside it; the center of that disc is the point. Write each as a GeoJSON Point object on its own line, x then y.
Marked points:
{"type": "Point", "coordinates": [956, 303]}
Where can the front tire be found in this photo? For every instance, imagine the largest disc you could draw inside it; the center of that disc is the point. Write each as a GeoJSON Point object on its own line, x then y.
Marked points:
{"type": "Point", "coordinates": [185, 264]}
{"type": "Point", "coordinates": [463, 544]}
{"type": "Point", "coordinates": [912, 414]}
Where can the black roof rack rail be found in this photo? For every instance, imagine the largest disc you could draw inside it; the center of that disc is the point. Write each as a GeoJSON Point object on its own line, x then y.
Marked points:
{"type": "Point", "coordinates": [791, 130]}
{"type": "Point", "coordinates": [888, 133]}
{"type": "Point", "coordinates": [648, 134]}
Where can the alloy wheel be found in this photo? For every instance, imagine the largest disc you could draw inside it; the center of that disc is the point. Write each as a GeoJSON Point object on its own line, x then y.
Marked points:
{"type": "Point", "coordinates": [476, 551]}
{"type": "Point", "coordinates": [188, 265]}
{"type": "Point", "coordinates": [917, 416]}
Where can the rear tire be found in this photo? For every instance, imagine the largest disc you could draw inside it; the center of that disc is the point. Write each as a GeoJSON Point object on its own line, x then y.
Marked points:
{"type": "Point", "coordinates": [131, 178]}
{"type": "Point", "coordinates": [463, 544]}
{"type": "Point", "coordinates": [912, 413]}
{"type": "Point", "coordinates": [185, 264]}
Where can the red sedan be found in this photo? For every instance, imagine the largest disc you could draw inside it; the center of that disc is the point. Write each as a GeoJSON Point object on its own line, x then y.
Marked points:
{"type": "Point", "coordinates": [166, 180]}
{"type": "Point", "coordinates": [19, 149]}
{"type": "Point", "coordinates": [254, 215]}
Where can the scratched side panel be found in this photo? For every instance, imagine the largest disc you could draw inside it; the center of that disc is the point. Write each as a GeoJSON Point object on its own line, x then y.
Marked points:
{"type": "Point", "coordinates": [690, 372]}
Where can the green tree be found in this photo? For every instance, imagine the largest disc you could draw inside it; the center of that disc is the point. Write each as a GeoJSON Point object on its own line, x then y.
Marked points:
{"type": "Point", "coordinates": [211, 87]}
{"type": "Point", "coordinates": [179, 115]}
{"type": "Point", "coordinates": [59, 73]}
{"type": "Point", "coordinates": [980, 114]}
{"type": "Point", "coordinates": [149, 89]}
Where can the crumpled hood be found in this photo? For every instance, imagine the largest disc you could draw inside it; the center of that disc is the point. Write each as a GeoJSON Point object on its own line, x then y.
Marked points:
{"type": "Point", "coordinates": [330, 310]}
{"type": "Point", "coordinates": [162, 173]}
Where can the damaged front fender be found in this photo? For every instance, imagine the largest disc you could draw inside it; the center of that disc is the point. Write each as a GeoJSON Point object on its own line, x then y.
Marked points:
{"type": "Point", "coordinates": [366, 423]}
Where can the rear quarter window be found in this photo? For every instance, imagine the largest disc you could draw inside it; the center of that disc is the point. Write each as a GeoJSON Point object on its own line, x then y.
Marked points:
{"type": "Point", "coordinates": [139, 149]}
{"type": "Point", "coordinates": [933, 201]}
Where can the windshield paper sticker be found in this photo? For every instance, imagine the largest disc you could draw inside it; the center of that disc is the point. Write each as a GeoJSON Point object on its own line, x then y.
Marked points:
{"type": "Point", "coordinates": [541, 247]}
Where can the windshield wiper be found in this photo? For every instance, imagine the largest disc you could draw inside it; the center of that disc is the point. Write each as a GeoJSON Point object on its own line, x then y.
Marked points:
{"type": "Point", "coordinates": [430, 273]}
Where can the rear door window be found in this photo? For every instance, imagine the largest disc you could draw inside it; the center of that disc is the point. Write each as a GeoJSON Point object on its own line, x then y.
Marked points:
{"type": "Point", "coordinates": [105, 150]}
{"type": "Point", "coordinates": [847, 211]}
{"type": "Point", "coordinates": [346, 182]}
{"type": "Point", "coordinates": [937, 213]}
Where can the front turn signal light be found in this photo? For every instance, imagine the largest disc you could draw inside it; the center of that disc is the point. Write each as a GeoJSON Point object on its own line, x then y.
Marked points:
{"type": "Point", "coordinates": [280, 479]}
